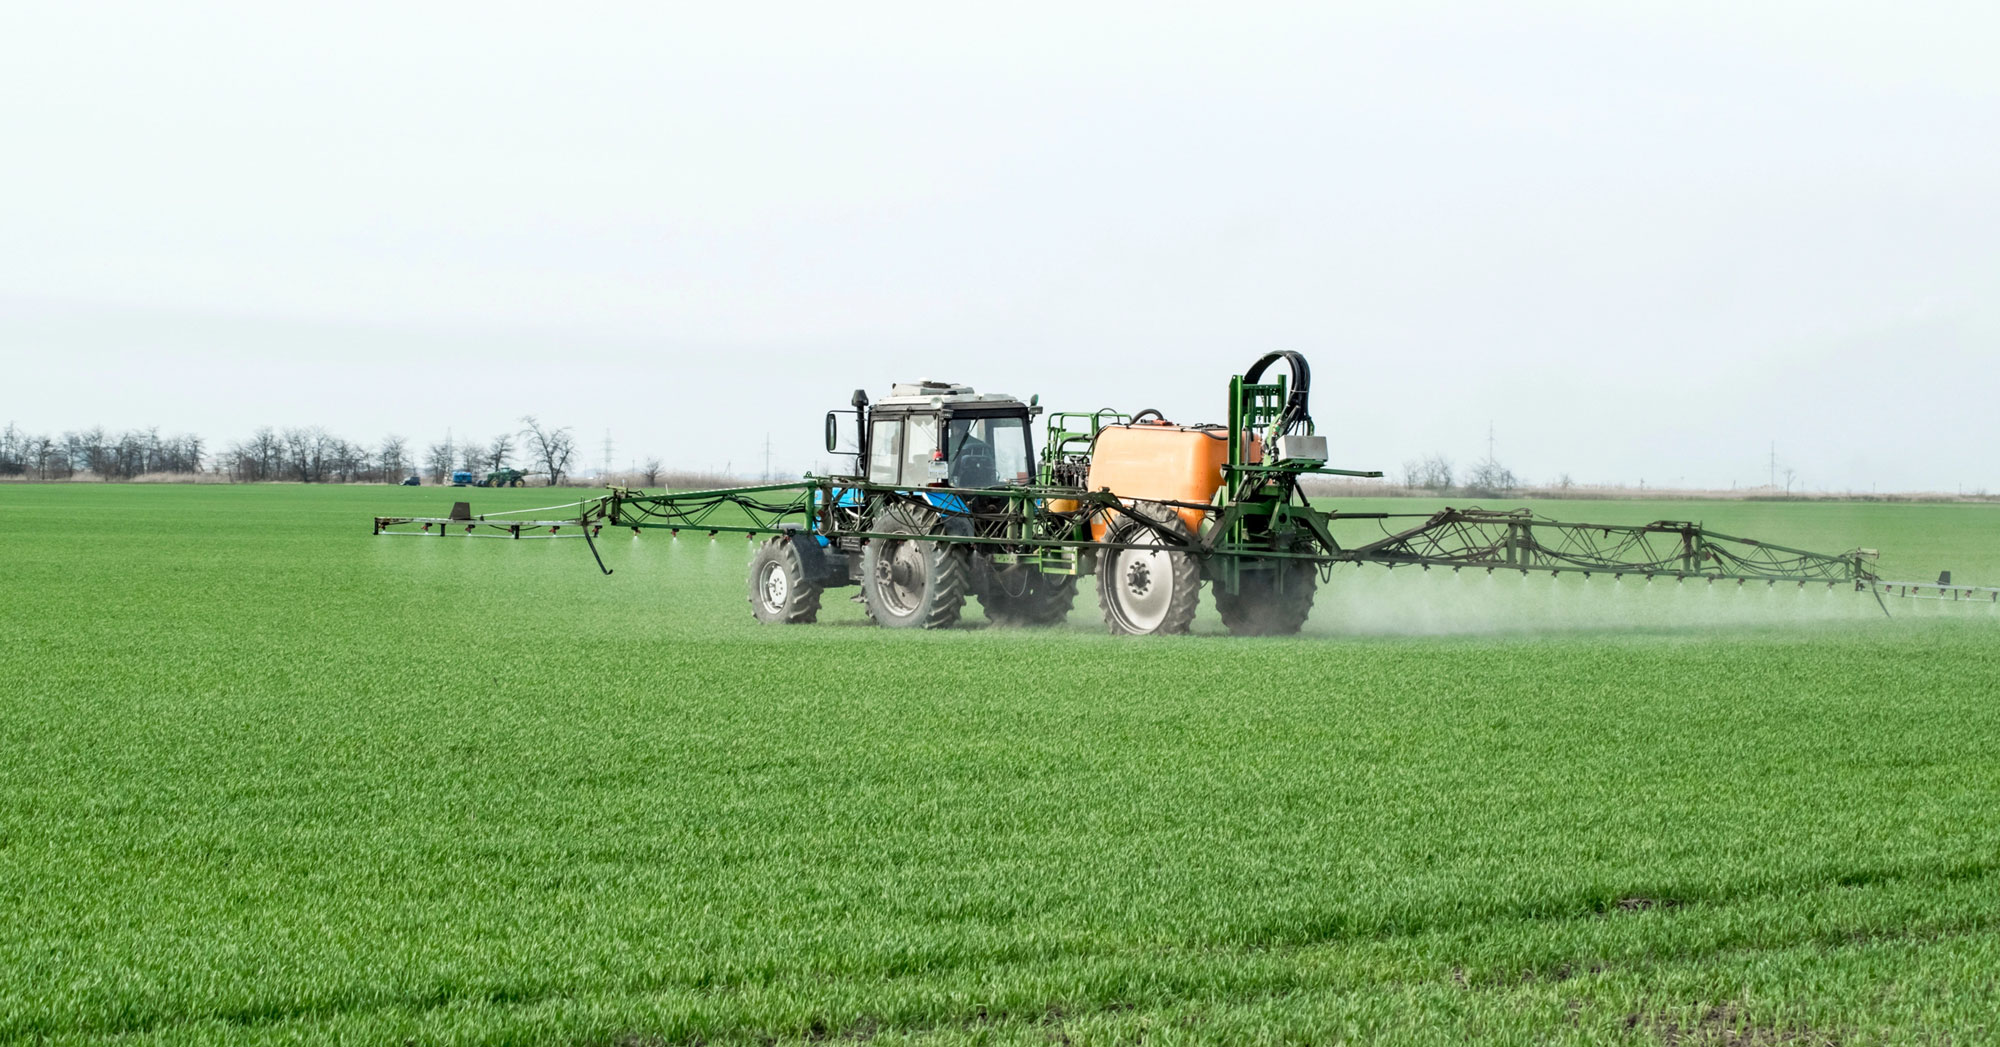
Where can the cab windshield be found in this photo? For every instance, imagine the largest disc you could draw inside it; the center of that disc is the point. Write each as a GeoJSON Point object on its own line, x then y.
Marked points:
{"type": "Point", "coordinates": [988, 451]}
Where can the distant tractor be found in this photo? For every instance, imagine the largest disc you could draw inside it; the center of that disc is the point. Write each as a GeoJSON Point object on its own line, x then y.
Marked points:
{"type": "Point", "coordinates": [948, 501]}
{"type": "Point", "coordinates": [504, 478]}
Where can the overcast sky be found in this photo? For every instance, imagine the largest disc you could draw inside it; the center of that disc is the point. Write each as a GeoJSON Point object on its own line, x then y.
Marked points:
{"type": "Point", "coordinates": [1641, 241]}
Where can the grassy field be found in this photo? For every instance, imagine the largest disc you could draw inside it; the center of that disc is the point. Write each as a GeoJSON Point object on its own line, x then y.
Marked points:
{"type": "Point", "coordinates": [269, 779]}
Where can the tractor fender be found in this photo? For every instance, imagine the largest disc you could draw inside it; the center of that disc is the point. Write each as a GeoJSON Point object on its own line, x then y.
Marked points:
{"type": "Point", "coordinates": [812, 554]}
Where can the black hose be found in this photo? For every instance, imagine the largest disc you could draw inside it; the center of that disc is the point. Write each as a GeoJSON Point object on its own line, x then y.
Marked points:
{"type": "Point", "coordinates": [592, 542]}
{"type": "Point", "coordinates": [1295, 404]}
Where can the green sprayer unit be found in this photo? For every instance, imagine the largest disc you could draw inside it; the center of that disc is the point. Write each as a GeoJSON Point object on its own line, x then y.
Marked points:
{"type": "Point", "coordinates": [949, 501]}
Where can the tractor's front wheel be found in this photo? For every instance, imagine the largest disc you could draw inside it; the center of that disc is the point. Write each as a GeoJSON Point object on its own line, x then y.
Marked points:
{"type": "Point", "coordinates": [780, 592]}
{"type": "Point", "coordinates": [1153, 589]}
{"type": "Point", "coordinates": [1272, 602]}
{"type": "Point", "coordinates": [912, 583]}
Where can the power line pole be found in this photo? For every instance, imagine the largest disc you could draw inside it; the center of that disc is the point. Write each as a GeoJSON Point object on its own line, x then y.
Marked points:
{"type": "Point", "coordinates": [767, 456]}
{"type": "Point", "coordinates": [1774, 464]}
{"type": "Point", "coordinates": [1489, 440]}
{"type": "Point", "coordinates": [606, 473]}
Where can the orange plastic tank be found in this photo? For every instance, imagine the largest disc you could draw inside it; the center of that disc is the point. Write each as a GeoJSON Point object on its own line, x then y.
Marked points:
{"type": "Point", "coordinates": [1155, 461]}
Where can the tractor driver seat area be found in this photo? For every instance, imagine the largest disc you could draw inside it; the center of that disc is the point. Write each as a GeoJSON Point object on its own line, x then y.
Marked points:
{"type": "Point", "coordinates": [989, 450]}
{"type": "Point", "coordinates": [972, 464]}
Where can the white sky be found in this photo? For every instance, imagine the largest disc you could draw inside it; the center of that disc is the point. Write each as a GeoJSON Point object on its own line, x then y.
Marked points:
{"type": "Point", "coordinates": [1642, 240]}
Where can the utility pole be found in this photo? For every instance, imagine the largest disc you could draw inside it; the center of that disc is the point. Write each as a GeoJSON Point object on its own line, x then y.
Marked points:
{"type": "Point", "coordinates": [767, 456]}
{"type": "Point", "coordinates": [1489, 440]}
{"type": "Point", "coordinates": [1774, 463]}
{"type": "Point", "coordinates": [606, 473]}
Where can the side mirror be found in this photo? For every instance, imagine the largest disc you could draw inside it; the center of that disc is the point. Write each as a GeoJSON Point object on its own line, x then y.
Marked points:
{"type": "Point", "coordinates": [832, 432]}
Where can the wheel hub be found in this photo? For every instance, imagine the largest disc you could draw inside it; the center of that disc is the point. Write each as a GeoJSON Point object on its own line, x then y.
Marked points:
{"type": "Point", "coordinates": [1144, 590]}
{"type": "Point", "coordinates": [900, 578]}
{"type": "Point", "coordinates": [776, 586]}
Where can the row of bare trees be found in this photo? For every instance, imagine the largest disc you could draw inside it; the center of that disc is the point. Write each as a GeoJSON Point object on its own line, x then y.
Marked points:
{"type": "Point", "coordinates": [300, 454]}
{"type": "Point", "coordinates": [312, 455]}
{"type": "Point", "coordinates": [1484, 478]}
{"type": "Point", "coordinates": [114, 456]}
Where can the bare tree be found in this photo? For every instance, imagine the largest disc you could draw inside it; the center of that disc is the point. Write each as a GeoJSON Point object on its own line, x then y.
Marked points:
{"type": "Point", "coordinates": [551, 447]}
{"type": "Point", "coordinates": [49, 462]}
{"type": "Point", "coordinates": [497, 453]}
{"type": "Point", "coordinates": [13, 451]}
{"type": "Point", "coordinates": [472, 457]}
{"type": "Point", "coordinates": [1433, 473]}
{"type": "Point", "coordinates": [437, 461]}
{"type": "Point", "coordinates": [91, 451]}
{"type": "Point", "coordinates": [651, 471]}
{"type": "Point", "coordinates": [186, 453]}
{"type": "Point", "coordinates": [346, 462]}
{"type": "Point", "coordinates": [391, 459]}
{"type": "Point", "coordinates": [267, 452]}
{"type": "Point", "coordinates": [1489, 478]}
{"type": "Point", "coordinates": [306, 452]}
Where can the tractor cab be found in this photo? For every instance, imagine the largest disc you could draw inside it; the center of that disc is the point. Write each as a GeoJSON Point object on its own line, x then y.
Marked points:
{"type": "Point", "coordinates": [938, 434]}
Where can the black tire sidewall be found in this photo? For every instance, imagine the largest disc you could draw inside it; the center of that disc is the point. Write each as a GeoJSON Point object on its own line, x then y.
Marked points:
{"type": "Point", "coordinates": [945, 571]}
{"type": "Point", "coordinates": [801, 594]}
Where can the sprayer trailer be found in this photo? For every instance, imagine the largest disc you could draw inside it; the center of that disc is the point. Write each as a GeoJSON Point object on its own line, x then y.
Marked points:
{"type": "Point", "coordinates": [949, 500]}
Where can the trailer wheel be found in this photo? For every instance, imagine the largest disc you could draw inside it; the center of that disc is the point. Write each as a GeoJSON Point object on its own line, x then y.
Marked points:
{"type": "Point", "coordinates": [1148, 591]}
{"type": "Point", "coordinates": [780, 592]}
{"type": "Point", "coordinates": [1259, 608]}
{"type": "Point", "coordinates": [910, 583]}
{"type": "Point", "coordinates": [1023, 596]}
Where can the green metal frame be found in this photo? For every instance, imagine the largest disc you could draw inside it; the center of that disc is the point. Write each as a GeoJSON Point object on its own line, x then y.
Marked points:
{"type": "Point", "coordinates": [1257, 522]}
{"type": "Point", "coordinates": [1255, 533]}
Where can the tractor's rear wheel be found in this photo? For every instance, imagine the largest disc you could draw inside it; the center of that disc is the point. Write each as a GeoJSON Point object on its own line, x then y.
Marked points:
{"type": "Point", "coordinates": [1023, 596]}
{"type": "Point", "coordinates": [912, 583]}
{"type": "Point", "coordinates": [780, 592]}
{"type": "Point", "coordinates": [1148, 591]}
{"type": "Point", "coordinates": [1272, 602]}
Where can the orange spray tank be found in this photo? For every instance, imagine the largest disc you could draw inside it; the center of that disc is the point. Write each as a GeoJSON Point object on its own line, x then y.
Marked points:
{"type": "Point", "coordinates": [1159, 461]}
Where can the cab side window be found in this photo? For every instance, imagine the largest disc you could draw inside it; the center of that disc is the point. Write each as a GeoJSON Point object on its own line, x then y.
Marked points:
{"type": "Point", "coordinates": [920, 442]}
{"type": "Point", "coordinates": [885, 449]}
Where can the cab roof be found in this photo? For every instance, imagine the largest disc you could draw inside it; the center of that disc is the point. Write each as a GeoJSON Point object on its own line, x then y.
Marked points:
{"type": "Point", "coordinates": [923, 392]}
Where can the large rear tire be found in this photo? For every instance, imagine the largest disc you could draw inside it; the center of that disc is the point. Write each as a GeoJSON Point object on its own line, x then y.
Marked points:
{"type": "Point", "coordinates": [912, 583]}
{"type": "Point", "coordinates": [1148, 592]}
{"type": "Point", "coordinates": [1023, 596]}
{"type": "Point", "coordinates": [1269, 603]}
{"type": "Point", "coordinates": [780, 592]}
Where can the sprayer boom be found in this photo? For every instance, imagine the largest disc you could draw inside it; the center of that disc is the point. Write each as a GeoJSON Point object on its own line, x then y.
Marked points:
{"type": "Point", "coordinates": [1519, 540]}
{"type": "Point", "coordinates": [947, 501]}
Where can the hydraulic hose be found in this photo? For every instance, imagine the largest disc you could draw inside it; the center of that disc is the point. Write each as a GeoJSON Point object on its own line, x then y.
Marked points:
{"type": "Point", "coordinates": [1295, 404]}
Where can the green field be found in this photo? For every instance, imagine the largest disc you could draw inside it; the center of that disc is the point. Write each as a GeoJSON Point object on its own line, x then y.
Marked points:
{"type": "Point", "coordinates": [269, 779]}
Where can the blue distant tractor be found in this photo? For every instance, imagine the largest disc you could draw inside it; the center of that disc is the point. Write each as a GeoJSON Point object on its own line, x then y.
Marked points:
{"type": "Point", "coordinates": [496, 478]}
